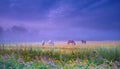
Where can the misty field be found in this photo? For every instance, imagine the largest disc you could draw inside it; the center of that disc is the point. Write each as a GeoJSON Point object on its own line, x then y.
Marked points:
{"type": "Point", "coordinates": [92, 55]}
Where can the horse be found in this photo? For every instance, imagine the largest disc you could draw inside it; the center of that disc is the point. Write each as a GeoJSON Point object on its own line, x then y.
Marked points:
{"type": "Point", "coordinates": [51, 43]}
{"type": "Point", "coordinates": [71, 42]}
{"type": "Point", "coordinates": [83, 41]}
{"type": "Point", "coordinates": [43, 43]}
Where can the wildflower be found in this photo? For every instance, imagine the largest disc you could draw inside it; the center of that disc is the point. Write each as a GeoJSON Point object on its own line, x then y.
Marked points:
{"type": "Point", "coordinates": [73, 64]}
{"type": "Point", "coordinates": [85, 57]}
{"type": "Point", "coordinates": [21, 51]}
{"type": "Point", "coordinates": [80, 62]}
{"type": "Point", "coordinates": [70, 61]}
{"type": "Point", "coordinates": [36, 57]}
{"type": "Point", "coordinates": [45, 57]}
{"type": "Point", "coordinates": [114, 66]}
{"type": "Point", "coordinates": [51, 61]}
{"type": "Point", "coordinates": [5, 58]}
{"type": "Point", "coordinates": [117, 63]}
{"type": "Point", "coordinates": [20, 60]}
{"type": "Point", "coordinates": [29, 63]}
{"type": "Point", "coordinates": [57, 61]}
{"type": "Point", "coordinates": [43, 60]}
{"type": "Point", "coordinates": [102, 66]}
{"type": "Point", "coordinates": [85, 61]}
{"type": "Point", "coordinates": [106, 61]}
{"type": "Point", "coordinates": [77, 60]}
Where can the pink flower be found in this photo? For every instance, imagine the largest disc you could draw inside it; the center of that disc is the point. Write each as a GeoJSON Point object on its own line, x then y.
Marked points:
{"type": "Point", "coordinates": [5, 58]}
{"type": "Point", "coordinates": [20, 60]}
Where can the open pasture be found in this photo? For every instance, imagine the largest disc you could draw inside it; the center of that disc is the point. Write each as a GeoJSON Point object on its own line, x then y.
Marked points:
{"type": "Point", "coordinates": [92, 55]}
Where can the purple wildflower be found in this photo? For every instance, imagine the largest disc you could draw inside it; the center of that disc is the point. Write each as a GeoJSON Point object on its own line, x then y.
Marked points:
{"type": "Point", "coordinates": [20, 60]}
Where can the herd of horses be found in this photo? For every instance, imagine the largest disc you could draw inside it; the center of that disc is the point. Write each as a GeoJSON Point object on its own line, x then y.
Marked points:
{"type": "Point", "coordinates": [69, 42]}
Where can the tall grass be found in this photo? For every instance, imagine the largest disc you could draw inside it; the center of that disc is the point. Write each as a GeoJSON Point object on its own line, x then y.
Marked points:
{"type": "Point", "coordinates": [61, 57]}
{"type": "Point", "coordinates": [106, 52]}
{"type": "Point", "coordinates": [110, 53]}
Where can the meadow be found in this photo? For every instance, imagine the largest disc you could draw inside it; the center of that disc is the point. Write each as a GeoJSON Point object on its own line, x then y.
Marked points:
{"type": "Point", "coordinates": [92, 55]}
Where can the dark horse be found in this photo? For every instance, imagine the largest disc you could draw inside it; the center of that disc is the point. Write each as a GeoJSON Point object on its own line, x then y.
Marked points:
{"type": "Point", "coordinates": [71, 42]}
{"type": "Point", "coordinates": [83, 41]}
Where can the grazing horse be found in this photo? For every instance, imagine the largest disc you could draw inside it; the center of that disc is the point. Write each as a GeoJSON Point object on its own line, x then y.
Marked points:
{"type": "Point", "coordinates": [83, 41]}
{"type": "Point", "coordinates": [71, 42]}
{"type": "Point", "coordinates": [43, 43]}
{"type": "Point", "coordinates": [51, 43]}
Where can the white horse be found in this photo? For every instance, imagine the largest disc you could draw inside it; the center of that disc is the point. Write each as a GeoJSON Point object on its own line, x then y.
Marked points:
{"type": "Point", "coordinates": [43, 43]}
{"type": "Point", "coordinates": [51, 43]}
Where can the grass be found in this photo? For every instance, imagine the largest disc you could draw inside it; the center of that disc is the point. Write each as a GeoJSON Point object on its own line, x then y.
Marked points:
{"type": "Point", "coordinates": [83, 56]}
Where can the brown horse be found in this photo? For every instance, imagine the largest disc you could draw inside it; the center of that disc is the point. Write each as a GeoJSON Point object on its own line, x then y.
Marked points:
{"type": "Point", "coordinates": [83, 41]}
{"type": "Point", "coordinates": [71, 42]}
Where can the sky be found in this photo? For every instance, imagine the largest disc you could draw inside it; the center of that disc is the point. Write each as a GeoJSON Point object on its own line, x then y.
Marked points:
{"type": "Point", "coordinates": [36, 20]}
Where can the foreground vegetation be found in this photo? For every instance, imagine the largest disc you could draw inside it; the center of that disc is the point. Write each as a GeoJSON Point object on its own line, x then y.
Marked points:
{"type": "Point", "coordinates": [103, 57]}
